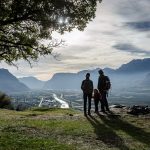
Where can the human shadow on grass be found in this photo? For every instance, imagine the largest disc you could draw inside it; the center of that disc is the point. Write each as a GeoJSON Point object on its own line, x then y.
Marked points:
{"type": "Point", "coordinates": [106, 134]}
{"type": "Point", "coordinates": [115, 123]}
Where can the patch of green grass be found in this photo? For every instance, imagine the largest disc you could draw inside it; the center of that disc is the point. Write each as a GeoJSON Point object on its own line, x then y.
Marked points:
{"type": "Point", "coordinates": [57, 129]}
{"type": "Point", "coordinates": [15, 141]}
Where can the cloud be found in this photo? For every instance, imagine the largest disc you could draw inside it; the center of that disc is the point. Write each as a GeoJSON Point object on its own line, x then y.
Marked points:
{"type": "Point", "coordinates": [115, 30]}
{"type": "Point", "coordinates": [133, 10]}
{"type": "Point", "coordinates": [140, 26]}
{"type": "Point", "coordinates": [130, 48]}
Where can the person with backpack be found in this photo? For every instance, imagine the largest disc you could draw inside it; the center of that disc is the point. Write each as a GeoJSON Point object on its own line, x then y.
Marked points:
{"type": "Point", "coordinates": [103, 86]}
{"type": "Point", "coordinates": [87, 88]}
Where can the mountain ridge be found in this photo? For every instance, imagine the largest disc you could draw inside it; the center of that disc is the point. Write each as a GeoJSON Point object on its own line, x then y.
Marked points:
{"type": "Point", "coordinates": [9, 83]}
{"type": "Point", "coordinates": [73, 80]}
{"type": "Point", "coordinates": [32, 82]}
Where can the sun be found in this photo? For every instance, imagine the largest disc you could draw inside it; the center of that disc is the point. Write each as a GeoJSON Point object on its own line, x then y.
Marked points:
{"type": "Point", "coordinates": [63, 20]}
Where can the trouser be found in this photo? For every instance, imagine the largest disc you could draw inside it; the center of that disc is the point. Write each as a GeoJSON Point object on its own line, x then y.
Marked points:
{"type": "Point", "coordinates": [96, 102]}
{"type": "Point", "coordinates": [87, 97]}
{"type": "Point", "coordinates": [104, 102]}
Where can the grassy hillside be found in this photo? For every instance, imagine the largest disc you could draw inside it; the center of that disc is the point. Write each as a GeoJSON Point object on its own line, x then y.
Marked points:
{"type": "Point", "coordinates": [57, 129]}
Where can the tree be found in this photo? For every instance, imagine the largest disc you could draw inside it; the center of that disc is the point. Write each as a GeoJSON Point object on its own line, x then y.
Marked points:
{"type": "Point", "coordinates": [25, 24]}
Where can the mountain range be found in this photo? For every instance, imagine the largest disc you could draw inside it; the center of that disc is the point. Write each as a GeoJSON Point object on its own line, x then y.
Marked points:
{"type": "Point", "coordinates": [9, 83]}
{"type": "Point", "coordinates": [128, 75]}
{"type": "Point", "coordinates": [135, 66]}
{"type": "Point", "coordinates": [135, 73]}
{"type": "Point", "coordinates": [32, 82]}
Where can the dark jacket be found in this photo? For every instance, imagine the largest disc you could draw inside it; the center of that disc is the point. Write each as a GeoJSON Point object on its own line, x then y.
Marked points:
{"type": "Point", "coordinates": [97, 96]}
{"type": "Point", "coordinates": [87, 86]}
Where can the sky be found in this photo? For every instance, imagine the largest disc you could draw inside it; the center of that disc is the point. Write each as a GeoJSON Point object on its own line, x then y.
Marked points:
{"type": "Point", "coordinates": [119, 33]}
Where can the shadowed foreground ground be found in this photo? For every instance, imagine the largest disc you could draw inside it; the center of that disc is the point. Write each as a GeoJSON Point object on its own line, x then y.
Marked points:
{"type": "Point", "coordinates": [57, 129]}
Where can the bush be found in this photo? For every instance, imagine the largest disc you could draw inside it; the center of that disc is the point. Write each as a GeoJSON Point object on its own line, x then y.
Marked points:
{"type": "Point", "coordinates": [5, 101]}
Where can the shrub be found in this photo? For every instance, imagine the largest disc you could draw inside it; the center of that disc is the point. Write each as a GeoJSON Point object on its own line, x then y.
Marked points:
{"type": "Point", "coordinates": [5, 101]}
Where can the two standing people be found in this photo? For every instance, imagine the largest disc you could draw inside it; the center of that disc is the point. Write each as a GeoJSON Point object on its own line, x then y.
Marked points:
{"type": "Point", "coordinates": [103, 87]}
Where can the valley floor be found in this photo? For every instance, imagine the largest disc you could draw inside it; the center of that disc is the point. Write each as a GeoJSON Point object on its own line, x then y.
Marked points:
{"type": "Point", "coordinates": [66, 129]}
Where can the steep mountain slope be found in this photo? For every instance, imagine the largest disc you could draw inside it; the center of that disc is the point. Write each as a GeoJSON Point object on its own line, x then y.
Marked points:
{"type": "Point", "coordinates": [32, 82]}
{"type": "Point", "coordinates": [9, 83]}
{"type": "Point", "coordinates": [135, 66]}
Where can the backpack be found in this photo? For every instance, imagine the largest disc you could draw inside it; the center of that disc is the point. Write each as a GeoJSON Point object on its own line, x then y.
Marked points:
{"type": "Point", "coordinates": [107, 83]}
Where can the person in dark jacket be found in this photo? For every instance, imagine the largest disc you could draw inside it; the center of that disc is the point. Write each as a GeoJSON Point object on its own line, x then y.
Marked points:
{"type": "Point", "coordinates": [102, 87]}
{"type": "Point", "coordinates": [87, 88]}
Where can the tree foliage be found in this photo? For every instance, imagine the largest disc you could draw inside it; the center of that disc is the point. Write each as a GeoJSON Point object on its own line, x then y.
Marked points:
{"type": "Point", "coordinates": [24, 24]}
